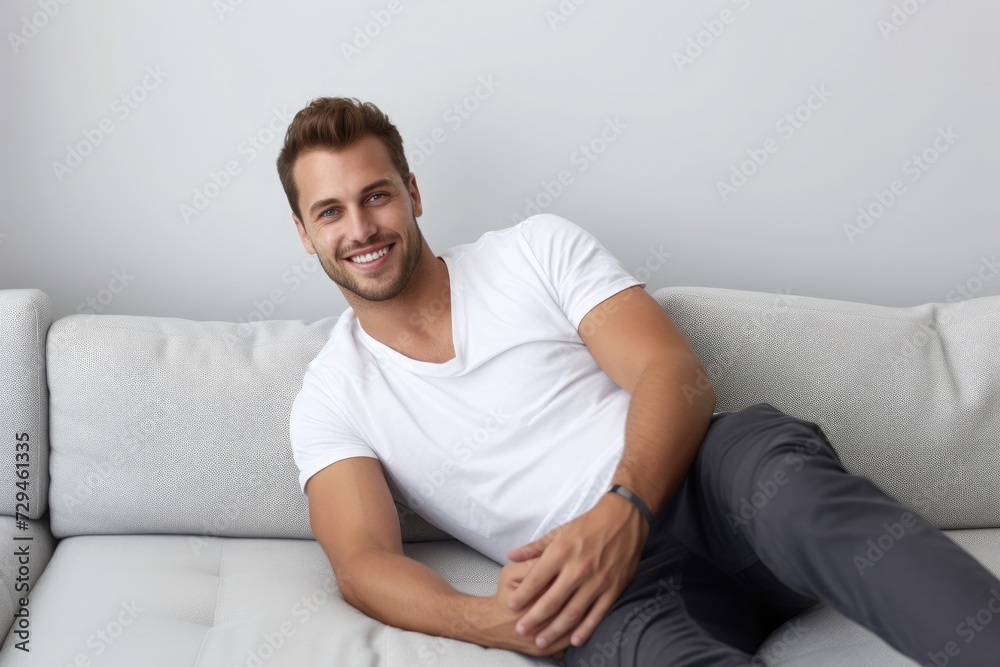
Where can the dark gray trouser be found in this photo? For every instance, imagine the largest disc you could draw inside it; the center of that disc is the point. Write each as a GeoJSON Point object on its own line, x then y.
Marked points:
{"type": "Point", "coordinates": [766, 523]}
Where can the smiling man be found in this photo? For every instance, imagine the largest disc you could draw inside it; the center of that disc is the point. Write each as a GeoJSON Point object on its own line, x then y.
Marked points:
{"type": "Point", "coordinates": [526, 395]}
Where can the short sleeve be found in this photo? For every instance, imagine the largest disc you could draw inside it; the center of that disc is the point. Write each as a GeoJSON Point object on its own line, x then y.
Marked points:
{"type": "Point", "coordinates": [581, 271]}
{"type": "Point", "coordinates": [319, 432]}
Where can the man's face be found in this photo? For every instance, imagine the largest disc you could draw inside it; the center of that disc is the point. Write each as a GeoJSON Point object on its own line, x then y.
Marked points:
{"type": "Point", "coordinates": [354, 202]}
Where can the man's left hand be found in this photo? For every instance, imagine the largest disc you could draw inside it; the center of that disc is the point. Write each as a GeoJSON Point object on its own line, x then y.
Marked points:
{"type": "Point", "coordinates": [584, 564]}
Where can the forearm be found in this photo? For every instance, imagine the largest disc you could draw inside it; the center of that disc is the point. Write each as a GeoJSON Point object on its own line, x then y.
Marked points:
{"type": "Point", "coordinates": [664, 426]}
{"type": "Point", "coordinates": [406, 594]}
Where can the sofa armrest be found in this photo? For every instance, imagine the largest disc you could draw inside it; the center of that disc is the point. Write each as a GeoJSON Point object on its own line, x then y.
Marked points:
{"type": "Point", "coordinates": [26, 549]}
{"type": "Point", "coordinates": [25, 317]}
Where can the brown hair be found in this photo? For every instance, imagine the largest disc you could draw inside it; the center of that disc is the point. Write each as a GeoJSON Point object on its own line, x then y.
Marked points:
{"type": "Point", "coordinates": [336, 123]}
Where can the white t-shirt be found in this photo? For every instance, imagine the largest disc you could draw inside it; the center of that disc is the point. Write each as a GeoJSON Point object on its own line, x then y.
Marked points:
{"type": "Point", "coordinates": [521, 431]}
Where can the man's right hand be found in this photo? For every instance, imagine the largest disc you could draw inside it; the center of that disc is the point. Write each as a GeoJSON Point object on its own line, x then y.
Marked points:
{"type": "Point", "coordinates": [496, 623]}
{"type": "Point", "coordinates": [353, 517]}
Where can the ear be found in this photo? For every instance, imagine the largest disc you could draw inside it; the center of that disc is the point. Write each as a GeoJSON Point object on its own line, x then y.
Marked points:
{"type": "Point", "coordinates": [303, 235]}
{"type": "Point", "coordinates": [418, 208]}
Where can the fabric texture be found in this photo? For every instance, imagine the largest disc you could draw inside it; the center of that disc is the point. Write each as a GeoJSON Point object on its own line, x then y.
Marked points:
{"type": "Point", "coordinates": [33, 537]}
{"type": "Point", "coordinates": [165, 425]}
{"type": "Point", "coordinates": [172, 601]}
{"type": "Point", "coordinates": [909, 397]}
{"type": "Point", "coordinates": [826, 361]}
{"type": "Point", "coordinates": [26, 315]}
{"type": "Point", "coordinates": [766, 524]}
{"type": "Point", "coordinates": [824, 638]}
{"type": "Point", "coordinates": [521, 411]}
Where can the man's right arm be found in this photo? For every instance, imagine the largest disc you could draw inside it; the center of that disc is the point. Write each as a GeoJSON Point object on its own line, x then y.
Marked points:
{"type": "Point", "coordinates": [353, 517]}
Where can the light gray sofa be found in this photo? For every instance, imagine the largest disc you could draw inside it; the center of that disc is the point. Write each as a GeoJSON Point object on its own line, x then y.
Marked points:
{"type": "Point", "coordinates": [165, 526]}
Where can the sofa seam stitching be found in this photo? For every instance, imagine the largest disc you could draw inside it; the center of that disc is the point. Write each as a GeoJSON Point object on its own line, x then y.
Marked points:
{"type": "Point", "coordinates": [704, 297]}
{"type": "Point", "coordinates": [215, 611]}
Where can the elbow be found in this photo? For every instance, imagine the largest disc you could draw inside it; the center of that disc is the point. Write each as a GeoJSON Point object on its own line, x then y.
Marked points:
{"type": "Point", "coordinates": [348, 593]}
{"type": "Point", "coordinates": [345, 583]}
{"type": "Point", "coordinates": [710, 397]}
{"type": "Point", "coordinates": [352, 596]}
{"type": "Point", "coordinates": [704, 397]}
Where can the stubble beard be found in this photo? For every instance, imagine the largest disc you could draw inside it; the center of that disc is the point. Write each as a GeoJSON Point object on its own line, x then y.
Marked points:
{"type": "Point", "coordinates": [364, 287]}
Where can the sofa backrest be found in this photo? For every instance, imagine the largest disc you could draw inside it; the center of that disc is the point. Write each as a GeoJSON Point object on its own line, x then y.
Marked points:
{"type": "Point", "coordinates": [25, 315]}
{"type": "Point", "coordinates": [173, 426]}
{"type": "Point", "coordinates": [909, 397]}
{"type": "Point", "coordinates": [163, 425]}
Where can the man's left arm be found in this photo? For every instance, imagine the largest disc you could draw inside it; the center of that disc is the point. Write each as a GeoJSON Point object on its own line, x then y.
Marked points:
{"type": "Point", "coordinates": [585, 564]}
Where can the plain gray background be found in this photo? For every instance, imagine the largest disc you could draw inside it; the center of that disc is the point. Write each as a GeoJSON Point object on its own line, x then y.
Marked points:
{"type": "Point", "coordinates": [695, 89]}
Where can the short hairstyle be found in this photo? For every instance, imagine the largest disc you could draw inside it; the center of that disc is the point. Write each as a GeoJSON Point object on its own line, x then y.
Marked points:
{"type": "Point", "coordinates": [335, 123]}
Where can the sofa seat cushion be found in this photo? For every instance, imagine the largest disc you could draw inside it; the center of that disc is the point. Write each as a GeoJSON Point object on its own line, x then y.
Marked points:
{"type": "Point", "coordinates": [174, 600]}
{"type": "Point", "coordinates": [824, 638]}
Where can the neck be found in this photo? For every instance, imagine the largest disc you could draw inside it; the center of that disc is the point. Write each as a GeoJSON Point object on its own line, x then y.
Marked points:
{"type": "Point", "coordinates": [416, 317]}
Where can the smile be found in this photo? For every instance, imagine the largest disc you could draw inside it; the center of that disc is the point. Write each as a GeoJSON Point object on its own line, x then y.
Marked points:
{"type": "Point", "coordinates": [371, 260]}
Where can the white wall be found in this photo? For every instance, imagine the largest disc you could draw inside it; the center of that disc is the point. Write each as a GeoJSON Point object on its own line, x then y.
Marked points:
{"type": "Point", "coordinates": [227, 76]}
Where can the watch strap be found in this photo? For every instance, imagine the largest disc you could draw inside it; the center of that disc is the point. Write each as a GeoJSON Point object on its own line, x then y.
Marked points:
{"type": "Point", "coordinates": [635, 500]}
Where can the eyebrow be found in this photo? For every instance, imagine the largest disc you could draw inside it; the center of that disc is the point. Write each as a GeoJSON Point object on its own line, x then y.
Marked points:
{"type": "Point", "coordinates": [323, 203]}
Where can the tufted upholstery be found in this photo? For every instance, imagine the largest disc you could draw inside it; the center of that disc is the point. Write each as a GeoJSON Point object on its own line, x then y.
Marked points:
{"type": "Point", "coordinates": [183, 538]}
{"type": "Point", "coordinates": [171, 600]}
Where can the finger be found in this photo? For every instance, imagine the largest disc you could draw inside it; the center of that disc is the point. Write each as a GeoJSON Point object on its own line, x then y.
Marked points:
{"type": "Point", "coordinates": [576, 610]}
{"type": "Point", "coordinates": [567, 582]}
{"type": "Point", "coordinates": [541, 575]}
{"type": "Point", "coordinates": [513, 573]}
{"type": "Point", "coordinates": [510, 579]}
{"type": "Point", "coordinates": [531, 550]}
{"type": "Point", "coordinates": [583, 632]}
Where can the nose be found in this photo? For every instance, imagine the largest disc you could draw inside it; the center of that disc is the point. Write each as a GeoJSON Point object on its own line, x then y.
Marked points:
{"type": "Point", "coordinates": [360, 226]}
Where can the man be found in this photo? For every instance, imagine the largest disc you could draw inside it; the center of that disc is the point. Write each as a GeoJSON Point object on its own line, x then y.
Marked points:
{"type": "Point", "coordinates": [488, 389]}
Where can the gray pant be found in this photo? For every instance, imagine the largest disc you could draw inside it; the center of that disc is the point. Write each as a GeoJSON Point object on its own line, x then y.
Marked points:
{"type": "Point", "coordinates": [766, 524]}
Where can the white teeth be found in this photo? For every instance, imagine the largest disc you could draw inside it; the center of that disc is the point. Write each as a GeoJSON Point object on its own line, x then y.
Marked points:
{"type": "Point", "coordinates": [370, 257]}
